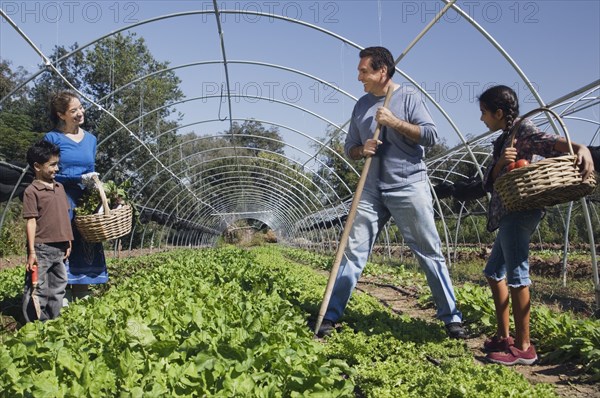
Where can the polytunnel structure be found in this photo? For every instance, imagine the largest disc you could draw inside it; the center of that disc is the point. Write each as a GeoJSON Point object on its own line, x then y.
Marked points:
{"type": "Point", "coordinates": [266, 99]}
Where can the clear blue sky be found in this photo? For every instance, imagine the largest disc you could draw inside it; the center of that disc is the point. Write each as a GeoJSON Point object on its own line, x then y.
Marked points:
{"type": "Point", "coordinates": [556, 43]}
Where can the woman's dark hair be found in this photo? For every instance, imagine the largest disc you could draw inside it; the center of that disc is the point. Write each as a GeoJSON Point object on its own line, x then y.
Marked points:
{"type": "Point", "coordinates": [41, 152]}
{"type": "Point", "coordinates": [501, 97]}
{"type": "Point", "coordinates": [380, 57]}
{"type": "Point", "coordinates": [60, 104]}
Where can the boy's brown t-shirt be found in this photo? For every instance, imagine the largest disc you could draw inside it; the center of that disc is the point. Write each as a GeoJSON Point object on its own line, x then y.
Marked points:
{"type": "Point", "coordinates": [50, 208]}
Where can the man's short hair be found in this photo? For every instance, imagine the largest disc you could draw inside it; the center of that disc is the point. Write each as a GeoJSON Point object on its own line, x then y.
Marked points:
{"type": "Point", "coordinates": [41, 152]}
{"type": "Point", "coordinates": [380, 57]}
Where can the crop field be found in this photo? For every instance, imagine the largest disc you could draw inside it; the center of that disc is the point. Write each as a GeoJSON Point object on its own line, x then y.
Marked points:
{"type": "Point", "coordinates": [232, 322]}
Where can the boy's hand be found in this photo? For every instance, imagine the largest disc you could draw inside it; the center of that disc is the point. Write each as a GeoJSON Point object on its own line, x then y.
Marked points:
{"type": "Point", "coordinates": [68, 252]}
{"type": "Point", "coordinates": [31, 262]}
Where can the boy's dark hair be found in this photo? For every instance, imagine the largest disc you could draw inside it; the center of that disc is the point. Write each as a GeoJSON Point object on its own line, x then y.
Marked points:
{"type": "Point", "coordinates": [380, 57]}
{"type": "Point", "coordinates": [501, 97]}
{"type": "Point", "coordinates": [41, 152]}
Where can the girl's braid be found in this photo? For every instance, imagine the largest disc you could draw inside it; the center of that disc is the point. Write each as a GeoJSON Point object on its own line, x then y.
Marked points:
{"type": "Point", "coordinates": [511, 109]}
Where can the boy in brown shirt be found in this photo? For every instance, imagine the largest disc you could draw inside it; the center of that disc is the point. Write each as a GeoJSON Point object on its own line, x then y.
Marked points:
{"type": "Point", "coordinates": [49, 235]}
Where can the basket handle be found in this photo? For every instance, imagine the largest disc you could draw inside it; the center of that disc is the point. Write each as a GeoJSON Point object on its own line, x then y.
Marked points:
{"type": "Point", "coordinates": [514, 128]}
{"type": "Point", "coordinates": [102, 195]}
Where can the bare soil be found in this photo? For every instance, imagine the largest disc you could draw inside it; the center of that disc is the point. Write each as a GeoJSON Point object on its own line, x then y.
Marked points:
{"type": "Point", "coordinates": [12, 261]}
{"type": "Point", "coordinates": [547, 275]}
{"type": "Point", "coordinates": [20, 260]}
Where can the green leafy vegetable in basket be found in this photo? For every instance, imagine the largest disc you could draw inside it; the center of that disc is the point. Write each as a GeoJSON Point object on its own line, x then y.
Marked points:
{"type": "Point", "coordinates": [116, 194]}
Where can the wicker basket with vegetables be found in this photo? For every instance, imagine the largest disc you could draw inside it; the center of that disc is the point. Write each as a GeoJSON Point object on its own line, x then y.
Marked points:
{"type": "Point", "coordinates": [103, 213]}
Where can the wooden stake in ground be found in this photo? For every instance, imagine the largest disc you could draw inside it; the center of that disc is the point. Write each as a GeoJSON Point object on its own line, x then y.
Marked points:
{"type": "Point", "coordinates": [349, 221]}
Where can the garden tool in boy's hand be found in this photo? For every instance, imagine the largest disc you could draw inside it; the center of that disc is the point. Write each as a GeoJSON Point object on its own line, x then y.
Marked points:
{"type": "Point", "coordinates": [34, 287]}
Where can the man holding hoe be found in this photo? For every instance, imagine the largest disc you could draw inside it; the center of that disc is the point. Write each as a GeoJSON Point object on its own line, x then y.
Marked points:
{"type": "Point", "coordinates": [396, 186]}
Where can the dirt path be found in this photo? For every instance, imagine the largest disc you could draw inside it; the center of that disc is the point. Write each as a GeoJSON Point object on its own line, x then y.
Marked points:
{"type": "Point", "coordinates": [565, 377]}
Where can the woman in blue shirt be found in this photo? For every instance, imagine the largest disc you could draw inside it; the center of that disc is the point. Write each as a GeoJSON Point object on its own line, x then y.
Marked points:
{"type": "Point", "coordinates": [87, 264]}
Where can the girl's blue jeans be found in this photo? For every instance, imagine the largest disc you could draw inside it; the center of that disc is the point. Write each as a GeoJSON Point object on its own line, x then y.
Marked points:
{"type": "Point", "coordinates": [510, 254]}
{"type": "Point", "coordinates": [412, 210]}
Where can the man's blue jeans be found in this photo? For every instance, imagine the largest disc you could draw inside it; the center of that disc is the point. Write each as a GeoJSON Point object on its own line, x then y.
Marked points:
{"type": "Point", "coordinates": [412, 209]}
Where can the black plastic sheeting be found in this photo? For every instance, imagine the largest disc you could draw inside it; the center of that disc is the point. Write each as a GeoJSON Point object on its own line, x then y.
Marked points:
{"type": "Point", "coordinates": [10, 174]}
{"type": "Point", "coordinates": [463, 191]}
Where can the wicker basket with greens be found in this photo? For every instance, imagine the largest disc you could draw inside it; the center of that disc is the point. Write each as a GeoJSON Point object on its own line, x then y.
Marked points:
{"type": "Point", "coordinates": [104, 213]}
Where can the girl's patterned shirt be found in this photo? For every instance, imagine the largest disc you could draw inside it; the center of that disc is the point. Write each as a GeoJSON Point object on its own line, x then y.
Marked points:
{"type": "Point", "coordinates": [529, 141]}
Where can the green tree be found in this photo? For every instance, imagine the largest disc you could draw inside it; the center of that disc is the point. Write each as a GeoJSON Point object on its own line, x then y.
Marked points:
{"type": "Point", "coordinates": [16, 125]}
{"type": "Point", "coordinates": [337, 174]}
{"type": "Point", "coordinates": [73, 69]}
{"type": "Point", "coordinates": [253, 135]}
{"type": "Point", "coordinates": [142, 106]}
{"type": "Point", "coordinates": [439, 148]}
{"type": "Point", "coordinates": [16, 137]}
{"type": "Point", "coordinates": [9, 80]}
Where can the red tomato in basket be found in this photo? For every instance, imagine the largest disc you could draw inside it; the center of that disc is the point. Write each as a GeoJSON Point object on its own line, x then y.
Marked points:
{"type": "Point", "coordinates": [521, 163]}
{"type": "Point", "coordinates": [517, 164]}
